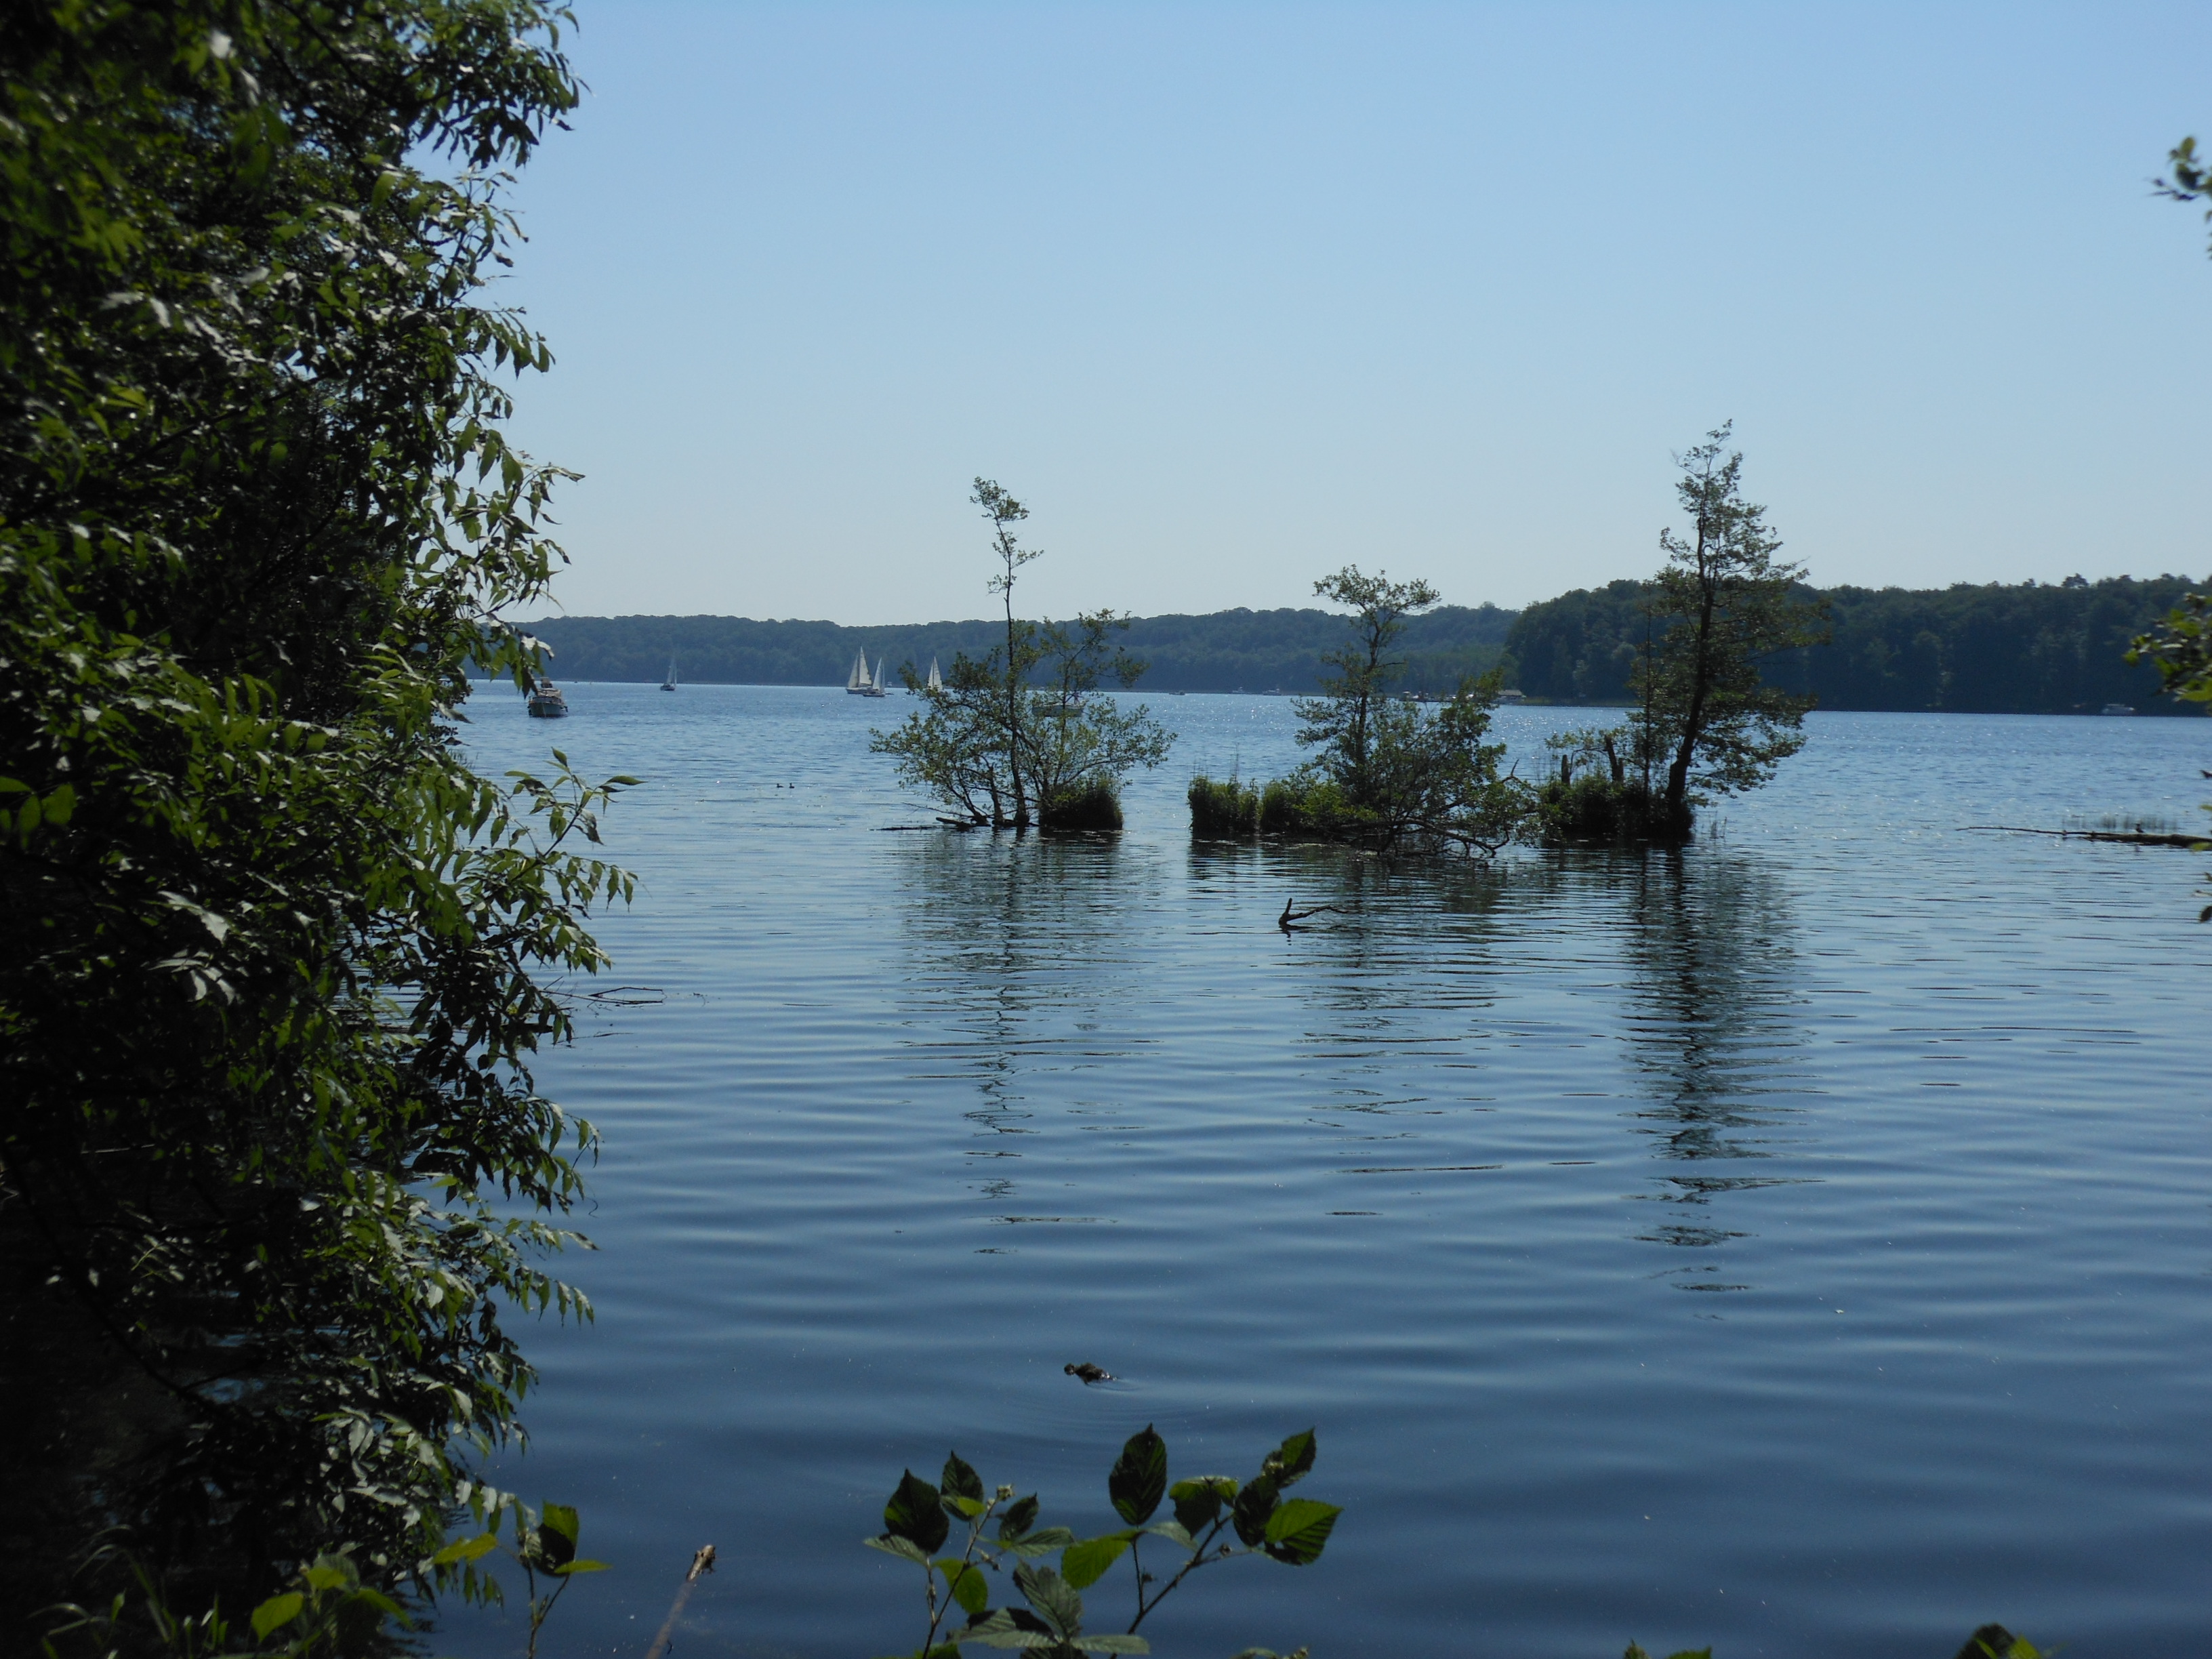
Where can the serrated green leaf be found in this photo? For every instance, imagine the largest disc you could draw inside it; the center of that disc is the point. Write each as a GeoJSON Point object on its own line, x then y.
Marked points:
{"type": "Point", "coordinates": [276, 1611]}
{"type": "Point", "coordinates": [1043, 1541]}
{"type": "Point", "coordinates": [902, 1547]}
{"type": "Point", "coordinates": [1114, 1644]}
{"type": "Point", "coordinates": [569, 1567]}
{"type": "Point", "coordinates": [915, 1512]}
{"type": "Point", "coordinates": [1084, 1564]}
{"type": "Point", "coordinates": [1054, 1598]}
{"type": "Point", "coordinates": [1173, 1531]}
{"type": "Point", "coordinates": [1019, 1517]}
{"type": "Point", "coordinates": [1288, 1463]}
{"type": "Point", "coordinates": [959, 1479]}
{"type": "Point", "coordinates": [999, 1630]}
{"type": "Point", "coordinates": [966, 1582]}
{"type": "Point", "coordinates": [1138, 1479]}
{"type": "Point", "coordinates": [1198, 1503]}
{"type": "Point", "coordinates": [1299, 1530]}
{"type": "Point", "coordinates": [1255, 1503]}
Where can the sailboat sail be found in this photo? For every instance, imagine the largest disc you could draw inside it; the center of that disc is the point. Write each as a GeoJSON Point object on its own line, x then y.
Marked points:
{"type": "Point", "coordinates": [936, 683]}
{"type": "Point", "coordinates": [880, 687]}
{"type": "Point", "coordinates": [669, 684]}
{"type": "Point", "coordinates": [858, 680]}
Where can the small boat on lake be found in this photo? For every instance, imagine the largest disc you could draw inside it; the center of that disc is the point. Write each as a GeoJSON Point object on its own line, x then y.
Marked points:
{"type": "Point", "coordinates": [669, 684]}
{"type": "Point", "coordinates": [862, 684]}
{"type": "Point", "coordinates": [936, 682]}
{"type": "Point", "coordinates": [2116, 708]}
{"type": "Point", "coordinates": [546, 702]}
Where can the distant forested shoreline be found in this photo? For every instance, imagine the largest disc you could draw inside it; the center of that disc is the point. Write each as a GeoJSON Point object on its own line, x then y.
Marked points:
{"type": "Point", "coordinates": [1994, 649]}
{"type": "Point", "coordinates": [2000, 648]}
{"type": "Point", "coordinates": [1226, 651]}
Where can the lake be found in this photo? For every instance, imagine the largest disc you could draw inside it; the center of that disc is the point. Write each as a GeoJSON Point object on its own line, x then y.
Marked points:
{"type": "Point", "coordinates": [1799, 1243]}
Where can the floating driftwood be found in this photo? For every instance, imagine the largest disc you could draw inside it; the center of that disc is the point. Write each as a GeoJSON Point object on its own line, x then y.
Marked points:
{"type": "Point", "coordinates": [2126, 837]}
{"type": "Point", "coordinates": [1291, 917]}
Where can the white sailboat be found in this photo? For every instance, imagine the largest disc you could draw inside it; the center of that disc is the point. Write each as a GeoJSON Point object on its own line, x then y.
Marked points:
{"type": "Point", "coordinates": [879, 688]}
{"type": "Point", "coordinates": [669, 684]}
{"type": "Point", "coordinates": [936, 683]}
{"type": "Point", "coordinates": [857, 684]}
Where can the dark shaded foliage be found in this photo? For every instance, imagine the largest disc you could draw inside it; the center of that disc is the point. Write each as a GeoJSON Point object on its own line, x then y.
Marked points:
{"type": "Point", "coordinates": [1998, 648]}
{"type": "Point", "coordinates": [272, 1160]}
{"type": "Point", "coordinates": [1224, 809]}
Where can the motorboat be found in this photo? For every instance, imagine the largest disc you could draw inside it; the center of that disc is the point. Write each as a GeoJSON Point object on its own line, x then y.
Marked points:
{"type": "Point", "coordinates": [546, 702]}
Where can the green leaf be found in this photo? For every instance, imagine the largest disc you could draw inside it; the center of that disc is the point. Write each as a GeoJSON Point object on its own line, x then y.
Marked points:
{"type": "Point", "coordinates": [1043, 1541]}
{"type": "Point", "coordinates": [1138, 1479]}
{"type": "Point", "coordinates": [1298, 1531]}
{"type": "Point", "coordinates": [1289, 1463]}
{"type": "Point", "coordinates": [999, 1630]}
{"type": "Point", "coordinates": [1174, 1532]}
{"type": "Point", "coordinates": [1054, 1598]}
{"type": "Point", "coordinates": [914, 1512]}
{"type": "Point", "coordinates": [276, 1610]}
{"type": "Point", "coordinates": [960, 1481]}
{"type": "Point", "coordinates": [1114, 1644]}
{"type": "Point", "coordinates": [970, 1588]}
{"type": "Point", "coordinates": [1084, 1564]}
{"type": "Point", "coordinates": [1198, 1503]}
{"type": "Point", "coordinates": [1018, 1518]}
{"type": "Point", "coordinates": [1255, 1503]}
{"type": "Point", "coordinates": [902, 1547]}
{"type": "Point", "coordinates": [557, 1528]}
{"type": "Point", "coordinates": [467, 1549]}
{"type": "Point", "coordinates": [1707, 1653]}
{"type": "Point", "coordinates": [569, 1567]}
{"type": "Point", "coordinates": [61, 803]}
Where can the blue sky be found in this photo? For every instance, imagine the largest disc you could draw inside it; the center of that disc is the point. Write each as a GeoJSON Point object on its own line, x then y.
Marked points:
{"type": "Point", "coordinates": [1232, 295]}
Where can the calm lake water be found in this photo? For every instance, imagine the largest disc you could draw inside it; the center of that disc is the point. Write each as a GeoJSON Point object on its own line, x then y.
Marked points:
{"type": "Point", "coordinates": [1799, 1243]}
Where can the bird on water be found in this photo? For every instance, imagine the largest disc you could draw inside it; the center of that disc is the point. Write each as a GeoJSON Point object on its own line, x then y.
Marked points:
{"type": "Point", "coordinates": [1089, 1372]}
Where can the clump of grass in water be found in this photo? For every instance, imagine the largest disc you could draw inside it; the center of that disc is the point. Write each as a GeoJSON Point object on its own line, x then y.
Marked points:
{"type": "Point", "coordinates": [1093, 805]}
{"type": "Point", "coordinates": [1224, 809]}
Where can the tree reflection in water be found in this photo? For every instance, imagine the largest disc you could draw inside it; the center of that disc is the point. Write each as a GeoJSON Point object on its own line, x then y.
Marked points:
{"type": "Point", "coordinates": [1714, 1033]}
{"type": "Point", "coordinates": [1021, 945]}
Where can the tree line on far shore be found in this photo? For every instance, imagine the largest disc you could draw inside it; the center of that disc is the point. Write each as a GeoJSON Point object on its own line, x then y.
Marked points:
{"type": "Point", "coordinates": [2021, 647]}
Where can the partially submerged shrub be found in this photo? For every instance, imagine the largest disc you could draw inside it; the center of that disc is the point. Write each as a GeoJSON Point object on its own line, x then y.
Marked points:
{"type": "Point", "coordinates": [1595, 808]}
{"type": "Point", "coordinates": [1224, 809]}
{"type": "Point", "coordinates": [1305, 807]}
{"type": "Point", "coordinates": [1093, 805]}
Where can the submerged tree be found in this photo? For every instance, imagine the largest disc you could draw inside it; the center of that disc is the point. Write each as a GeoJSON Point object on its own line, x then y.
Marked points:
{"type": "Point", "coordinates": [272, 1162]}
{"type": "Point", "coordinates": [1705, 722]}
{"type": "Point", "coordinates": [1388, 771]}
{"type": "Point", "coordinates": [1025, 733]}
{"type": "Point", "coordinates": [1720, 607]}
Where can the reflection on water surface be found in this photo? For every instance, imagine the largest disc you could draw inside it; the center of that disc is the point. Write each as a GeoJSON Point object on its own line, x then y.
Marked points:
{"type": "Point", "coordinates": [1911, 1113]}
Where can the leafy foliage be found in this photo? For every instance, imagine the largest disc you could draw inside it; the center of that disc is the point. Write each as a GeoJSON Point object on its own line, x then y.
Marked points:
{"type": "Point", "coordinates": [1720, 607]}
{"type": "Point", "coordinates": [1389, 773]}
{"type": "Point", "coordinates": [918, 1518]}
{"type": "Point", "coordinates": [1024, 733]}
{"type": "Point", "coordinates": [273, 986]}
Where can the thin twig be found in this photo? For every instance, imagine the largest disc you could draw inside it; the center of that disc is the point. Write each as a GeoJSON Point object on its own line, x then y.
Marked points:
{"type": "Point", "coordinates": [702, 1562]}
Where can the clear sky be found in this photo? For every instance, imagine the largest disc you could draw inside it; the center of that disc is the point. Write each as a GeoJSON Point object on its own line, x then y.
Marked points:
{"type": "Point", "coordinates": [1232, 295]}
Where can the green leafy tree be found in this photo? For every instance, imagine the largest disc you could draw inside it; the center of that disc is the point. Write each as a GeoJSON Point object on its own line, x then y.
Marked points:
{"type": "Point", "coordinates": [1390, 771]}
{"type": "Point", "coordinates": [1721, 607]}
{"type": "Point", "coordinates": [1026, 732]}
{"type": "Point", "coordinates": [279, 959]}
